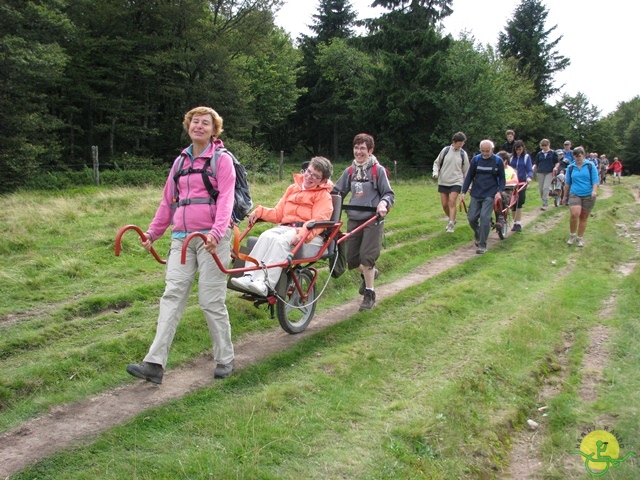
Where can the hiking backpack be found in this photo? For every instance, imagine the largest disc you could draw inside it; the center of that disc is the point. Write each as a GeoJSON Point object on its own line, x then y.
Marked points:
{"type": "Point", "coordinates": [242, 202]}
{"type": "Point", "coordinates": [374, 180]}
{"type": "Point", "coordinates": [374, 173]}
{"type": "Point", "coordinates": [589, 166]}
{"type": "Point", "coordinates": [463, 155]}
{"type": "Point", "coordinates": [495, 166]}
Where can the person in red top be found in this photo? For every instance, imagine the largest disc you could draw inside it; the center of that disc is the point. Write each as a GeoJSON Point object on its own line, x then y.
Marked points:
{"type": "Point", "coordinates": [616, 166]}
{"type": "Point", "coordinates": [308, 199]}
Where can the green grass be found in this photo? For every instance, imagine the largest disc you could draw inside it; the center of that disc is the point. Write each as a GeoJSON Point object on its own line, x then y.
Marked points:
{"type": "Point", "coordinates": [433, 383]}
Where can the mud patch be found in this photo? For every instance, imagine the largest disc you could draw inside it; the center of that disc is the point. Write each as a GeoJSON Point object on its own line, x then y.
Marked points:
{"type": "Point", "coordinates": [593, 363]}
{"type": "Point", "coordinates": [525, 459]}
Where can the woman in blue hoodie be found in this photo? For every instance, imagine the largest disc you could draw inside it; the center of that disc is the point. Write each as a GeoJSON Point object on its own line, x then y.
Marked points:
{"type": "Point", "coordinates": [521, 161]}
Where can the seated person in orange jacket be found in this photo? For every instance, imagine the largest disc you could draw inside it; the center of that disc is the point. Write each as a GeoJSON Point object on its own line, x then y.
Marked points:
{"type": "Point", "coordinates": [510, 177]}
{"type": "Point", "coordinates": [308, 199]}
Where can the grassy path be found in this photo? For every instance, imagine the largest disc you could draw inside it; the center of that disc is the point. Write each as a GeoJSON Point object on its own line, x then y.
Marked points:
{"type": "Point", "coordinates": [415, 399]}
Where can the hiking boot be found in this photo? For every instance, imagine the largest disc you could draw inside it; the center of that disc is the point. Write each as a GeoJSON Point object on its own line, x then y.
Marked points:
{"type": "Point", "coordinates": [363, 285]}
{"type": "Point", "coordinates": [517, 228]}
{"type": "Point", "coordinates": [224, 370]}
{"type": "Point", "coordinates": [450, 227]}
{"type": "Point", "coordinates": [579, 242]}
{"type": "Point", "coordinates": [151, 372]}
{"type": "Point", "coordinates": [481, 251]}
{"type": "Point", "coordinates": [572, 238]}
{"type": "Point", "coordinates": [369, 300]}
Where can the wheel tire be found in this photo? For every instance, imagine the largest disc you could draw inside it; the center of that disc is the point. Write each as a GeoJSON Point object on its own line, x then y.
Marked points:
{"type": "Point", "coordinates": [502, 232]}
{"type": "Point", "coordinates": [556, 200]}
{"type": "Point", "coordinates": [293, 315]}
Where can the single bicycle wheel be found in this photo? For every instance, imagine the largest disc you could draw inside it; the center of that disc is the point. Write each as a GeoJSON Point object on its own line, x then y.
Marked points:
{"type": "Point", "coordinates": [501, 221]}
{"type": "Point", "coordinates": [294, 313]}
{"type": "Point", "coordinates": [504, 229]}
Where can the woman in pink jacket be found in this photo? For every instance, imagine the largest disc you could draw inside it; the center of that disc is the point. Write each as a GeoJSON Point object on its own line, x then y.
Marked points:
{"type": "Point", "coordinates": [187, 206]}
{"type": "Point", "coordinates": [308, 199]}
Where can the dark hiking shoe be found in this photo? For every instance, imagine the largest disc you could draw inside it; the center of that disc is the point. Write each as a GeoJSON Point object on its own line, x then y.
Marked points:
{"type": "Point", "coordinates": [151, 372]}
{"type": "Point", "coordinates": [224, 370]}
{"type": "Point", "coordinates": [369, 300]}
{"type": "Point", "coordinates": [363, 286]}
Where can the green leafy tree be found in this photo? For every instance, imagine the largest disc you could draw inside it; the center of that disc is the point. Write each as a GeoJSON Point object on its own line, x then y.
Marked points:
{"type": "Point", "coordinates": [272, 76]}
{"type": "Point", "coordinates": [527, 40]}
{"type": "Point", "coordinates": [480, 95]}
{"type": "Point", "coordinates": [583, 119]}
{"type": "Point", "coordinates": [398, 101]}
{"type": "Point", "coordinates": [31, 69]}
{"type": "Point", "coordinates": [343, 67]}
{"type": "Point", "coordinates": [434, 10]}
{"type": "Point", "coordinates": [623, 116]}
{"type": "Point", "coordinates": [631, 146]}
{"type": "Point", "coordinates": [137, 66]}
{"type": "Point", "coordinates": [334, 20]}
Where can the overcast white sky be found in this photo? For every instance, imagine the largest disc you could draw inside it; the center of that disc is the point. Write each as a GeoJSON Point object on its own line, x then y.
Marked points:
{"type": "Point", "coordinates": [600, 38]}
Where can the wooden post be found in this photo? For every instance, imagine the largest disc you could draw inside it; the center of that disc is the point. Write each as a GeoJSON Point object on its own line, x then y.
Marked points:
{"type": "Point", "coordinates": [395, 171]}
{"type": "Point", "coordinates": [281, 169]}
{"type": "Point", "coordinates": [96, 164]}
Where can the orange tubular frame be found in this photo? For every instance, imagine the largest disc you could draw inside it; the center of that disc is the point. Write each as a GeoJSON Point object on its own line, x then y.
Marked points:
{"type": "Point", "coordinates": [143, 237]}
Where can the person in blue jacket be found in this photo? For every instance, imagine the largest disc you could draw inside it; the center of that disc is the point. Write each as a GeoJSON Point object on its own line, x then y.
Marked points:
{"type": "Point", "coordinates": [486, 173]}
{"type": "Point", "coordinates": [581, 187]}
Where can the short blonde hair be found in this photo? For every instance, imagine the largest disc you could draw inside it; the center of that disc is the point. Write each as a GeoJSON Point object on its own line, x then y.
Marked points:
{"type": "Point", "coordinates": [217, 119]}
{"type": "Point", "coordinates": [544, 142]}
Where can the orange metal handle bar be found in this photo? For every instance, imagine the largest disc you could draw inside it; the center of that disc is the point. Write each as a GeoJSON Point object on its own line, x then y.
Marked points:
{"type": "Point", "coordinates": [143, 237]}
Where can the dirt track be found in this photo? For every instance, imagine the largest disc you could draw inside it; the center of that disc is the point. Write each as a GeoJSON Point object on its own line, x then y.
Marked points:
{"type": "Point", "coordinates": [74, 424]}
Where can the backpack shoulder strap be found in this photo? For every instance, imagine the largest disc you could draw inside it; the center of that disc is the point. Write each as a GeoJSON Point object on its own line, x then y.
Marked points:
{"type": "Point", "coordinates": [216, 155]}
{"type": "Point", "coordinates": [444, 154]}
{"type": "Point", "coordinates": [374, 173]}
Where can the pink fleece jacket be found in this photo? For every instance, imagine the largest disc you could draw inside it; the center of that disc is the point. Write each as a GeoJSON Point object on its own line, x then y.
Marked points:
{"type": "Point", "coordinates": [197, 217]}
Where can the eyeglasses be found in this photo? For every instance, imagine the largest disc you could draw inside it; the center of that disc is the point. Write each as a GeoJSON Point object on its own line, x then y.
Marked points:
{"type": "Point", "coordinates": [315, 176]}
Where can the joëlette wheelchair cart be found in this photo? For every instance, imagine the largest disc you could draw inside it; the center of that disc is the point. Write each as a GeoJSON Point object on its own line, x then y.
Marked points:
{"type": "Point", "coordinates": [294, 297]}
{"type": "Point", "coordinates": [503, 211]}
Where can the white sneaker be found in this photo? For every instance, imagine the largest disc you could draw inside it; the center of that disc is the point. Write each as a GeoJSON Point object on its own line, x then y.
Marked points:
{"type": "Point", "coordinates": [241, 282]}
{"type": "Point", "coordinates": [572, 238]}
{"type": "Point", "coordinates": [450, 227]}
{"type": "Point", "coordinates": [258, 287]}
{"type": "Point", "coordinates": [579, 243]}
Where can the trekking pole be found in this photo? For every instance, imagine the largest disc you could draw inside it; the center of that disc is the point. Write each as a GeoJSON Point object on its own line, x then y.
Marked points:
{"type": "Point", "coordinates": [143, 237]}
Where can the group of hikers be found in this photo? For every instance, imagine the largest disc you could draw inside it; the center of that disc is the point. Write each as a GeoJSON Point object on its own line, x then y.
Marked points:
{"type": "Point", "coordinates": [566, 174]}
{"type": "Point", "coordinates": [196, 200]}
{"type": "Point", "coordinates": [200, 191]}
